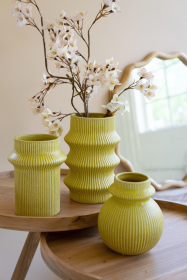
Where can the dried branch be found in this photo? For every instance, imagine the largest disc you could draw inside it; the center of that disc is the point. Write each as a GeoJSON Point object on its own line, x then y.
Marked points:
{"type": "Point", "coordinates": [44, 44]}
{"type": "Point", "coordinates": [102, 13]}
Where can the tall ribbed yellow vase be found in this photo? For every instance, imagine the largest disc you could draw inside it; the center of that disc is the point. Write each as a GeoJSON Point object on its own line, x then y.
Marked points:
{"type": "Point", "coordinates": [37, 160]}
{"type": "Point", "coordinates": [131, 222]}
{"type": "Point", "coordinates": [91, 158]}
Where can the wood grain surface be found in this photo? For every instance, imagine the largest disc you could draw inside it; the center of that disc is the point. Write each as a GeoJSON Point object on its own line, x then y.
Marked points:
{"type": "Point", "coordinates": [81, 255]}
{"type": "Point", "coordinates": [71, 217]}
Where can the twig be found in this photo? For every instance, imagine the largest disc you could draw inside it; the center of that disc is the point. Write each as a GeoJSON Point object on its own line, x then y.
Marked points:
{"type": "Point", "coordinates": [98, 16]}
{"type": "Point", "coordinates": [44, 45]}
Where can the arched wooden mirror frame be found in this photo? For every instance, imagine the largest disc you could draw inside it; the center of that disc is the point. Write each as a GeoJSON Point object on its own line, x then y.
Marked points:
{"type": "Point", "coordinates": [124, 81]}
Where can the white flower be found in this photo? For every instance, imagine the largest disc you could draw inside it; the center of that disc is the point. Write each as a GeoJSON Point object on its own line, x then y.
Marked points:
{"type": "Point", "coordinates": [141, 86]}
{"type": "Point", "coordinates": [64, 52]}
{"type": "Point", "coordinates": [76, 60]}
{"type": "Point", "coordinates": [55, 51]}
{"type": "Point", "coordinates": [149, 94]}
{"type": "Point", "coordinates": [82, 14]}
{"type": "Point", "coordinates": [123, 108]}
{"type": "Point", "coordinates": [44, 82]}
{"type": "Point", "coordinates": [118, 99]}
{"type": "Point", "coordinates": [69, 35]}
{"type": "Point", "coordinates": [75, 17]}
{"type": "Point", "coordinates": [110, 61]}
{"type": "Point", "coordinates": [56, 42]}
{"type": "Point", "coordinates": [151, 86]}
{"type": "Point", "coordinates": [21, 21]}
{"type": "Point", "coordinates": [110, 106]}
{"type": "Point", "coordinates": [110, 66]}
{"type": "Point", "coordinates": [112, 83]}
{"type": "Point", "coordinates": [27, 10]}
{"type": "Point", "coordinates": [146, 75]}
{"type": "Point", "coordinates": [56, 133]}
{"type": "Point", "coordinates": [59, 67]}
{"type": "Point", "coordinates": [78, 16]}
{"type": "Point", "coordinates": [72, 52]}
{"type": "Point", "coordinates": [17, 9]}
{"type": "Point", "coordinates": [38, 110]}
{"type": "Point", "coordinates": [108, 2]}
{"type": "Point", "coordinates": [73, 46]}
{"type": "Point", "coordinates": [33, 101]}
{"type": "Point", "coordinates": [73, 43]}
{"type": "Point", "coordinates": [46, 122]}
{"type": "Point", "coordinates": [115, 8]}
{"type": "Point", "coordinates": [93, 81]}
{"type": "Point", "coordinates": [47, 113]}
{"type": "Point", "coordinates": [90, 65]}
{"type": "Point", "coordinates": [56, 126]}
{"type": "Point", "coordinates": [62, 32]}
{"type": "Point", "coordinates": [48, 25]}
{"type": "Point", "coordinates": [111, 74]}
{"type": "Point", "coordinates": [63, 14]}
{"type": "Point", "coordinates": [60, 22]}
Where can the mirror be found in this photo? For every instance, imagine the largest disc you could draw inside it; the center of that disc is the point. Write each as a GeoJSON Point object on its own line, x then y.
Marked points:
{"type": "Point", "coordinates": [154, 133]}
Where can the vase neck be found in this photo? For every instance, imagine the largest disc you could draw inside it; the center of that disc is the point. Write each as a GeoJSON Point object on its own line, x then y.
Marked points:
{"type": "Point", "coordinates": [133, 187]}
{"type": "Point", "coordinates": [92, 125]}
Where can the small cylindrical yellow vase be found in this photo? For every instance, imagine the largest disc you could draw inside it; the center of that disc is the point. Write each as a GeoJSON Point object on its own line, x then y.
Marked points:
{"type": "Point", "coordinates": [37, 159]}
{"type": "Point", "coordinates": [131, 222]}
{"type": "Point", "coordinates": [92, 158]}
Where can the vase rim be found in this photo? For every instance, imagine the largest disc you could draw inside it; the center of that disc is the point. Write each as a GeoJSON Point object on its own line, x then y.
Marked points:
{"type": "Point", "coordinates": [142, 178]}
{"type": "Point", "coordinates": [39, 138]}
{"type": "Point", "coordinates": [93, 118]}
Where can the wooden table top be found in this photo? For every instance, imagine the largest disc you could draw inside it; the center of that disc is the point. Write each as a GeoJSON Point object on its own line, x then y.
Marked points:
{"type": "Point", "coordinates": [72, 215]}
{"type": "Point", "coordinates": [82, 255]}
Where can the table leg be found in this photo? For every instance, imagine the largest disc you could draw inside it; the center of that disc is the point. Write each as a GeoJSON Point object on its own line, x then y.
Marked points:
{"type": "Point", "coordinates": [26, 256]}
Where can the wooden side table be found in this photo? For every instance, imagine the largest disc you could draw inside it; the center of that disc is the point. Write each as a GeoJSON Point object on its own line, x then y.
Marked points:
{"type": "Point", "coordinates": [82, 255]}
{"type": "Point", "coordinates": [72, 216]}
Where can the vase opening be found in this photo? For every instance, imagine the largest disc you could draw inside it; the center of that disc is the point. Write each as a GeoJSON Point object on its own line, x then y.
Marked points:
{"type": "Point", "coordinates": [93, 116]}
{"type": "Point", "coordinates": [132, 177]}
{"type": "Point", "coordinates": [36, 137]}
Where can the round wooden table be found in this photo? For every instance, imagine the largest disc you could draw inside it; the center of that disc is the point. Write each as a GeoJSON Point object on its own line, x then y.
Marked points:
{"type": "Point", "coordinates": [82, 255]}
{"type": "Point", "coordinates": [72, 216]}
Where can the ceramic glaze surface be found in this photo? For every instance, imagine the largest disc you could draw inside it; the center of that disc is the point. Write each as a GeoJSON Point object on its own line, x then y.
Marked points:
{"type": "Point", "coordinates": [131, 222]}
{"type": "Point", "coordinates": [37, 160]}
{"type": "Point", "coordinates": [91, 158]}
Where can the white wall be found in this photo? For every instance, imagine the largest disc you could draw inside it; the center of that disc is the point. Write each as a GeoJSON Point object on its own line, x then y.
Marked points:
{"type": "Point", "coordinates": [143, 27]}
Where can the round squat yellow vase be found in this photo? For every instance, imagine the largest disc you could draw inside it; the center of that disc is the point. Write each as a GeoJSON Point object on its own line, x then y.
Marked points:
{"type": "Point", "coordinates": [131, 222]}
{"type": "Point", "coordinates": [37, 159]}
{"type": "Point", "coordinates": [91, 158]}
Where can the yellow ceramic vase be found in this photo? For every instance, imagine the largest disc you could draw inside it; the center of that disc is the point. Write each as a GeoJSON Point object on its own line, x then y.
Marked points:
{"type": "Point", "coordinates": [131, 222]}
{"type": "Point", "coordinates": [91, 158]}
{"type": "Point", "coordinates": [37, 160]}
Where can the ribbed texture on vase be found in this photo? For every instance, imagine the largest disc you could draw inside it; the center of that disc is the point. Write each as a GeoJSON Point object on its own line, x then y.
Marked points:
{"type": "Point", "coordinates": [130, 222]}
{"type": "Point", "coordinates": [91, 159]}
{"type": "Point", "coordinates": [128, 228]}
{"type": "Point", "coordinates": [137, 190]}
{"type": "Point", "coordinates": [37, 160]}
